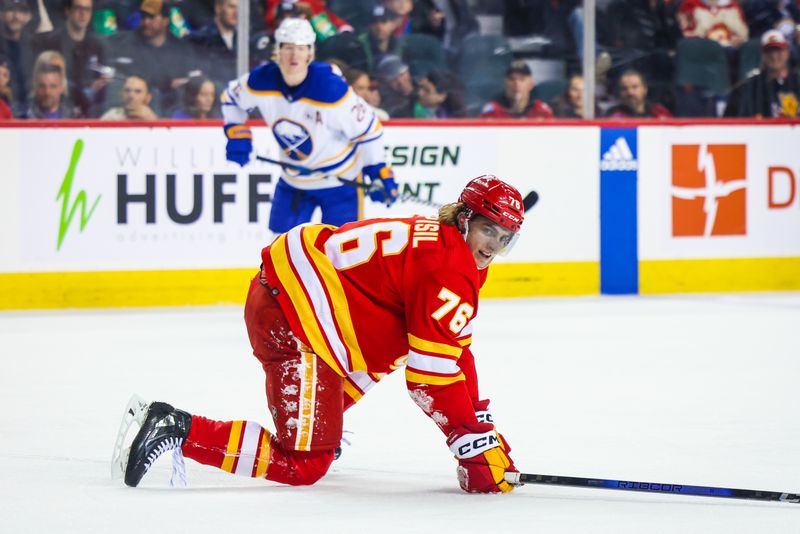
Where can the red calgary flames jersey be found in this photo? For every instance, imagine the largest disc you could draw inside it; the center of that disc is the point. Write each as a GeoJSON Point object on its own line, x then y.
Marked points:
{"type": "Point", "coordinates": [371, 296]}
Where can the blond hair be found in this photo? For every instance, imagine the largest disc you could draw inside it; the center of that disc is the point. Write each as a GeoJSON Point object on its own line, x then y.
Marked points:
{"type": "Point", "coordinates": [448, 214]}
{"type": "Point", "coordinates": [51, 57]}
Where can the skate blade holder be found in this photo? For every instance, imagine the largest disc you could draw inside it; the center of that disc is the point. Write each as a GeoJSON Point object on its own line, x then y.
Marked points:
{"type": "Point", "coordinates": [135, 412]}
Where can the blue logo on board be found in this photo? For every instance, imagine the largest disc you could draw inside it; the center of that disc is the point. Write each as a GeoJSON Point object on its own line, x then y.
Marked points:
{"type": "Point", "coordinates": [618, 149]}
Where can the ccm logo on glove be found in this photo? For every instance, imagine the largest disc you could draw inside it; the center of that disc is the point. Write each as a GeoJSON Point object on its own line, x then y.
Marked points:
{"type": "Point", "coordinates": [471, 445]}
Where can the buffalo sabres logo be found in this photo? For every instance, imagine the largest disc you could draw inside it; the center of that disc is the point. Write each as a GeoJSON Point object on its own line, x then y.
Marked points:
{"type": "Point", "coordinates": [293, 138]}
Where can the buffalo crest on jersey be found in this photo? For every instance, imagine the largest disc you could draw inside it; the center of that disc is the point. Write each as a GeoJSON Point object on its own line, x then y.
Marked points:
{"type": "Point", "coordinates": [293, 138]}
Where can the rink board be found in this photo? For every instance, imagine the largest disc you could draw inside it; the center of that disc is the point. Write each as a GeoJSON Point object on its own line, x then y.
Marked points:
{"type": "Point", "coordinates": [142, 216]}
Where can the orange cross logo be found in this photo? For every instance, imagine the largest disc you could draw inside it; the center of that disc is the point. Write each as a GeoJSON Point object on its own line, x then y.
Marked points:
{"type": "Point", "coordinates": [709, 190]}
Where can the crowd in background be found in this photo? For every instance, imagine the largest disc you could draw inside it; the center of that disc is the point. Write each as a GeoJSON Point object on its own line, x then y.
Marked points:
{"type": "Point", "coordinates": [149, 59]}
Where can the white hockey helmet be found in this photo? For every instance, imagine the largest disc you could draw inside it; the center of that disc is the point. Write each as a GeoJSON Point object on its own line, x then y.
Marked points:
{"type": "Point", "coordinates": [295, 31]}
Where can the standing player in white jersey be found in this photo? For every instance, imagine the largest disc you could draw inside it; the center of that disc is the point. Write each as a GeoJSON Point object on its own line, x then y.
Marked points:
{"type": "Point", "coordinates": [326, 133]}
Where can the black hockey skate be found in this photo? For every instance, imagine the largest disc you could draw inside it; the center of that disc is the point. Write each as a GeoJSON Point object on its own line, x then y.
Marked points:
{"type": "Point", "coordinates": [164, 428]}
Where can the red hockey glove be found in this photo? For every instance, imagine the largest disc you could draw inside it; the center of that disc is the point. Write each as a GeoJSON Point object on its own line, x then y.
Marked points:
{"type": "Point", "coordinates": [482, 458]}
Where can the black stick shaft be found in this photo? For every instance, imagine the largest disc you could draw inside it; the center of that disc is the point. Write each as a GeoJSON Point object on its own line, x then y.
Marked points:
{"type": "Point", "coordinates": [651, 487]}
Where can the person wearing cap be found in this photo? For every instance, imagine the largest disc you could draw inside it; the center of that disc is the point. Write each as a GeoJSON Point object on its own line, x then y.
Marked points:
{"type": "Point", "coordinates": [378, 40]}
{"type": "Point", "coordinates": [398, 92]}
{"type": "Point", "coordinates": [774, 90]}
{"type": "Point", "coordinates": [16, 37]}
{"type": "Point", "coordinates": [517, 101]}
{"type": "Point", "coordinates": [328, 137]}
{"type": "Point", "coordinates": [154, 53]}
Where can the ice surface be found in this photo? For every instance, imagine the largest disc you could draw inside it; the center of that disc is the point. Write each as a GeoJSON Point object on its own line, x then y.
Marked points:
{"type": "Point", "coordinates": [695, 390]}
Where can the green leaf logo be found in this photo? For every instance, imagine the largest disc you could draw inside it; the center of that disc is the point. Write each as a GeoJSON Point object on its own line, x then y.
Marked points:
{"type": "Point", "coordinates": [67, 211]}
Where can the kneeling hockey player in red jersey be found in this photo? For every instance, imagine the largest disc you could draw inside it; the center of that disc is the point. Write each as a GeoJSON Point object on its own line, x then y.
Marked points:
{"type": "Point", "coordinates": [331, 312]}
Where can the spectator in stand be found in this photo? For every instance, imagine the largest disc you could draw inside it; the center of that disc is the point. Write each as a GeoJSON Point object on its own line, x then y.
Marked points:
{"type": "Point", "coordinates": [16, 35]}
{"type": "Point", "coordinates": [516, 101]}
{"type": "Point", "coordinates": [83, 51]}
{"type": "Point", "coordinates": [216, 42]}
{"type": "Point", "coordinates": [378, 40]}
{"type": "Point", "coordinates": [439, 96]}
{"type": "Point", "coordinates": [6, 94]}
{"type": "Point", "coordinates": [774, 91]}
{"type": "Point", "coordinates": [397, 87]}
{"type": "Point", "coordinates": [642, 25]}
{"type": "Point", "coordinates": [633, 103]}
{"type": "Point", "coordinates": [136, 100]}
{"type": "Point", "coordinates": [49, 87]}
{"type": "Point", "coordinates": [199, 100]}
{"type": "Point", "coordinates": [403, 8]}
{"type": "Point", "coordinates": [53, 57]}
{"type": "Point", "coordinates": [367, 89]}
{"type": "Point", "coordinates": [322, 19]}
{"type": "Point", "coordinates": [569, 104]}
{"type": "Point", "coordinates": [765, 15]}
{"type": "Point", "coordinates": [559, 21]}
{"type": "Point", "coordinates": [719, 20]}
{"type": "Point", "coordinates": [448, 20]}
{"type": "Point", "coordinates": [155, 54]}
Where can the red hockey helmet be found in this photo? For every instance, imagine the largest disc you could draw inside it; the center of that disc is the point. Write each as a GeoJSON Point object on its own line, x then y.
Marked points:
{"type": "Point", "coordinates": [499, 202]}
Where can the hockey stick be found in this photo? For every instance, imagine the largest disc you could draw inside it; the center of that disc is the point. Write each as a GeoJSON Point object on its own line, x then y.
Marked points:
{"type": "Point", "coordinates": [517, 479]}
{"type": "Point", "coordinates": [528, 202]}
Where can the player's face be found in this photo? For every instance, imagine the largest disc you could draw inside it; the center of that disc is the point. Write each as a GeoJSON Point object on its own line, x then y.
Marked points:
{"type": "Point", "coordinates": [293, 59]}
{"type": "Point", "coordinates": [486, 239]}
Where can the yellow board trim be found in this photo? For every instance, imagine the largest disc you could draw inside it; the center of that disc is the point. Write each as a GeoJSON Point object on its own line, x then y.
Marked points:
{"type": "Point", "coordinates": [201, 287]}
{"type": "Point", "coordinates": [419, 378]}
{"type": "Point", "coordinates": [233, 446]}
{"type": "Point", "coordinates": [542, 279]}
{"type": "Point", "coordinates": [27, 291]}
{"type": "Point", "coordinates": [719, 275]}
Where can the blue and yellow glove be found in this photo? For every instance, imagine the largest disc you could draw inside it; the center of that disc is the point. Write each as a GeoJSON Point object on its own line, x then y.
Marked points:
{"type": "Point", "coordinates": [240, 143]}
{"type": "Point", "coordinates": [382, 188]}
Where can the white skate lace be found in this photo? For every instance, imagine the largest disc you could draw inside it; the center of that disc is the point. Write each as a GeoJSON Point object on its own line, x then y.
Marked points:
{"type": "Point", "coordinates": [178, 465]}
{"type": "Point", "coordinates": [178, 477]}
